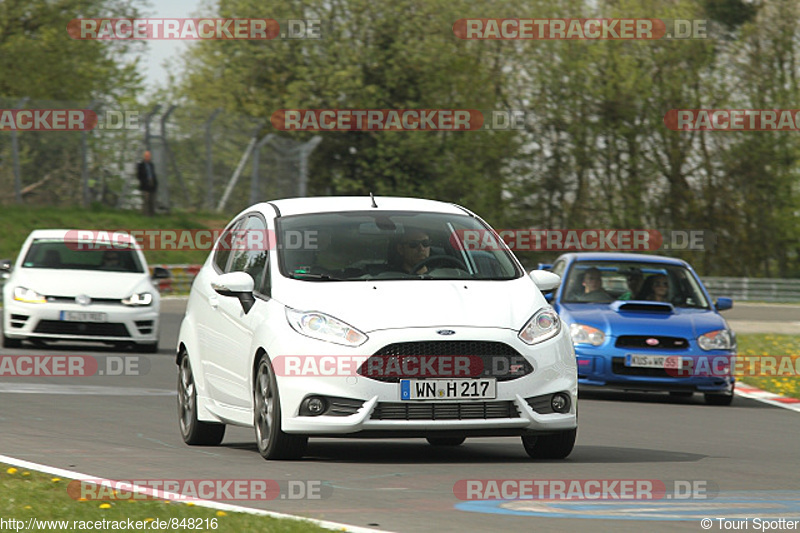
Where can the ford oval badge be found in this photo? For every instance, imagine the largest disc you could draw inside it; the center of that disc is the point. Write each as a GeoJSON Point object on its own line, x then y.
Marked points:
{"type": "Point", "coordinates": [446, 332]}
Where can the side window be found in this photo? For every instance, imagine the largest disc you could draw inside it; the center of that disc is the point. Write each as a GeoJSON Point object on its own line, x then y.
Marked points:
{"type": "Point", "coordinates": [251, 254]}
{"type": "Point", "coordinates": [224, 246]}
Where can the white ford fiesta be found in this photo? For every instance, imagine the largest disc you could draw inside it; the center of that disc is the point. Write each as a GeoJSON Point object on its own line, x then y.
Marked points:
{"type": "Point", "coordinates": [66, 288]}
{"type": "Point", "coordinates": [372, 317]}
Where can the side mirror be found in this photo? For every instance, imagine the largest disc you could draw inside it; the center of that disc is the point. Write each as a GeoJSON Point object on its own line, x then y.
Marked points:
{"type": "Point", "coordinates": [237, 284]}
{"type": "Point", "coordinates": [161, 273]}
{"type": "Point", "coordinates": [723, 304]}
{"type": "Point", "coordinates": [5, 265]}
{"type": "Point", "coordinates": [546, 281]}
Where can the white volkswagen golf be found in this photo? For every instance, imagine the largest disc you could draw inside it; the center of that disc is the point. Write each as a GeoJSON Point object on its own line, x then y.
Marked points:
{"type": "Point", "coordinates": [65, 288]}
{"type": "Point", "coordinates": [372, 317]}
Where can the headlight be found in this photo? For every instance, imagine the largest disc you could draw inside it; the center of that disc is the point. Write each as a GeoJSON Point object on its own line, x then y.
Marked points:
{"type": "Point", "coordinates": [582, 334]}
{"type": "Point", "coordinates": [143, 298]}
{"type": "Point", "coordinates": [30, 296]}
{"type": "Point", "coordinates": [715, 340]}
{"type": "Point", "coordinates": [544, 325]}
{"type": "Point", "coordinates": [324, 327]}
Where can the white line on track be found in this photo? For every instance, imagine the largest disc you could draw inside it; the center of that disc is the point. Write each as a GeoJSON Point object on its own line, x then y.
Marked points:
{"type": "Point", "coordinates": [184, 499]}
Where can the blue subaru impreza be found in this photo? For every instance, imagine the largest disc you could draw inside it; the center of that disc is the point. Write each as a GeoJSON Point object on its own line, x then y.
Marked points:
{"type": "Point", "coordinates": [645, 322]}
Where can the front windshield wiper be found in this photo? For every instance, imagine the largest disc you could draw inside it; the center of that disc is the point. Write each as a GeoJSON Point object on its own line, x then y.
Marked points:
{"type": "Point", "coordinates": [320, 277]}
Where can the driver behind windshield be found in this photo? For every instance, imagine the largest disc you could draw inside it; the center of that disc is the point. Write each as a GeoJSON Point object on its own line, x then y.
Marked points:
{"type": "Point", "coordinates": [413, 248]}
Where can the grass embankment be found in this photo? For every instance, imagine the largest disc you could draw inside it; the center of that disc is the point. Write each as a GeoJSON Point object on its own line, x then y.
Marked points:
{"type": "Point", "coordinates": [29, 494]}
{"type": "Point", "coordinates": [16, 223]}
{"type": "Point", "coordinates": [772, 345]}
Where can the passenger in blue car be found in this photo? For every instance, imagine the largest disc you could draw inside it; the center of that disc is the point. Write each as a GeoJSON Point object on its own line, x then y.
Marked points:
{"type": "Point", "coordinates": [593, 287]}
{"type": "Point", "coordinates": [635, 281]}
{"type": "Point", "coordinates": [656, 288]}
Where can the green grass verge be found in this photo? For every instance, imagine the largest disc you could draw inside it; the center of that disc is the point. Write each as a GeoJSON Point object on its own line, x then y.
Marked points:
{"type": "Point", "coordinates": [16, 223]}
{"type": "Point", "coordinates": [30, 494]}
{"type": "Point", "coordinates": [771, 344]}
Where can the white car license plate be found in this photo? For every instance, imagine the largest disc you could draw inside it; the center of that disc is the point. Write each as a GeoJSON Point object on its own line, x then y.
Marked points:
{"type": "Point", "coordinates": [83, 316]}
{"type": "Point", "coordinates": [654, 361]}
{"type": "Point", "coordinates": [447, 389]}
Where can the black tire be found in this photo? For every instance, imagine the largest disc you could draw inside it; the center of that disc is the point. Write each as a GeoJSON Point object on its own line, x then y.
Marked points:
{"type": "Point", "coordinates": [272, 442]}
{"type": "Point", "coordinates": [193, 431]}
{"type": "Point", "coordinates": [147, 347]}
{"type": "Point", "coordinates": [11, 343]}
{"type": "Point", "coordinates": [446, 441]}
{"type": "Point", "coordinates": [555, 446]}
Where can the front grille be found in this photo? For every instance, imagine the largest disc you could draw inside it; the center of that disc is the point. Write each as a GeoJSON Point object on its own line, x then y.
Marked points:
{"type": "Point", "coordinates": [145, 327]}
{"type": "Point", "coordinates": [18, 321]}
{"type": "Point", "coordinates": [541, 404]}
{"type": "Point", "coordinates": [640, 341]}
{"type": "Point", "coordinates": [498, 360]}
{"type": "Point", "coordinates": [618, 367]}
{"type": "Point", "coordinates": [71, 300]}
{"type": "Point", "coordinates": [343, 406]}
{"type": "Point", "coordinates": [90, 329]}
{"type": "Point", "coordinates": [445, 411]}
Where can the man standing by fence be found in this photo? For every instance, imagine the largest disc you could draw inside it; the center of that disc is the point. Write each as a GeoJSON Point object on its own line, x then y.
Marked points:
{"type": "Point", "coordinates": [148, 184]}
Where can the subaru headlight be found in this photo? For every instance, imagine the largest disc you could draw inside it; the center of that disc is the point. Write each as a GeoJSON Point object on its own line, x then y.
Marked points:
{"type": "Point", "coordinates": [715, 340]}
{"type": "Point", "coordinates": [583, 334]}
{"type": "Point", "coordinates": [544, 325]}
{"type": "Point", "coordinates": [29, 296]}
{"type": "Point", "coordinates": [324, 327]}
{"type": "Point", "coordinates": [142, 298]}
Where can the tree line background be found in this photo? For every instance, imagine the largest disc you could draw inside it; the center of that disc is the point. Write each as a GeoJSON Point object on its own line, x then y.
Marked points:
{"type": "Point", "coordinates": [596, 153]}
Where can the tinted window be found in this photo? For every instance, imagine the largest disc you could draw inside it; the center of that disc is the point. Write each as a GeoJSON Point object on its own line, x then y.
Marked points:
{"type": "Point", "coordinates": [389, 245]}
{"type": "Point", "coordinates": [607, 281]}
{"type": "Point", "coordinates": [63, 255]}
{"type": "Point", "coordinates": [250, 251]}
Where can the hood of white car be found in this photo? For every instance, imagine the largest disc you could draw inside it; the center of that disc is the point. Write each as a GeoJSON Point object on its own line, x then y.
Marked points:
{"type": "Point", "coordinates": [95, 284]}
{"type": "Point", "coordinates": [371, 306]}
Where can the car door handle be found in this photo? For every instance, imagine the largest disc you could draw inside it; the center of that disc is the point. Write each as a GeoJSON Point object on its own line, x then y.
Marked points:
{"type": "Point", "coordinates": [213, 302]}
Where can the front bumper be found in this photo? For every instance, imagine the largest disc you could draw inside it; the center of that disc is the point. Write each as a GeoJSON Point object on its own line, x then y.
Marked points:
{"type": "Point", "coordinates": [383, 413]}
{"type": "Point", "coordinates": [44, 321]}
{"type": "Point", "coordinates": [605, 367]}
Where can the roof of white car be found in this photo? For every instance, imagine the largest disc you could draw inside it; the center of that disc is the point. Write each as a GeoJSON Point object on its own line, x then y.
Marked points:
{"type": "Point", "coordinates": [76, 234]}
{"type": "Point", "coordinates": [328, 204]}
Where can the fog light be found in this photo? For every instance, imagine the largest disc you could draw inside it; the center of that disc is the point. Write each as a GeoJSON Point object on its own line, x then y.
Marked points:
{"type": "Point", "coordinates": [316, 406]}
{"type": "Point", "coordinates": [560, 403]}
{"type": "Point", "coordinates": [313, 406]}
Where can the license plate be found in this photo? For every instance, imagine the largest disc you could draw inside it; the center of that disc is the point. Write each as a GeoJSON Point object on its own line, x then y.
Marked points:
{"type": "Point", "coordinates": [83, 316]}
{"type": "Point", "coordinates": [654, 361]}
{"type": "Point", "coordinates": [447, 389]}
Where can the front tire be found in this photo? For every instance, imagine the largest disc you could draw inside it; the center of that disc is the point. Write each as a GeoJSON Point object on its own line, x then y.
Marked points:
{"type": "Point", "coordinates": [193, 431]}
{"type": "Point", "coordinates": [556, 446]}
{"type": "Point", "coordinates": [272, 442]}
{"type": "Point", "coordinates": [11, 343]}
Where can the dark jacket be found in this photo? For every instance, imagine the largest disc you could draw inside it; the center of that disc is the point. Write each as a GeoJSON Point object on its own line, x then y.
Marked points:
{"type": "Point", "coordinates": [147, 182]}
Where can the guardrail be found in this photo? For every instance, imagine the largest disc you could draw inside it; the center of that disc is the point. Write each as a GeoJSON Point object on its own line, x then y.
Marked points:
{"type": "Point", "coordinates": [740, 289]}
{"type": "Point", "coordinates": [181, 278]}
{"type": "Point", "coordinates": [755, 289]}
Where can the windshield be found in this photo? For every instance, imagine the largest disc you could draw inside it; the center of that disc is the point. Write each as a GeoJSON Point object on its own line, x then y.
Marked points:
{"type": "Point", "coordinates": [63, 255]}
{"type": "Point", "coordinates": [607, 281]}
{"type": "Point", "coordinates": [387, 246]}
